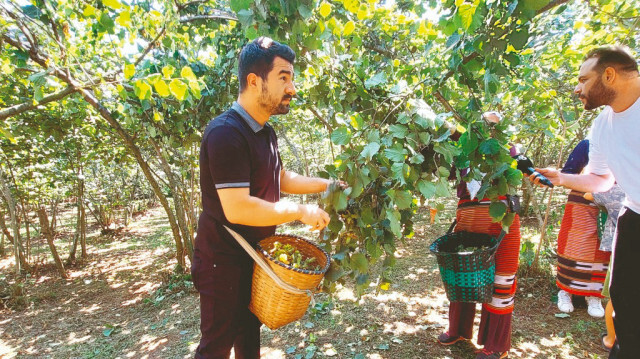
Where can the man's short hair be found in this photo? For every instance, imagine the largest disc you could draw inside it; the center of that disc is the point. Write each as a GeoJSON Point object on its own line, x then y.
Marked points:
{"type": "Point", "coordinates": [257, 57]}
{"type": "Point", "coordinates": [612, 56]}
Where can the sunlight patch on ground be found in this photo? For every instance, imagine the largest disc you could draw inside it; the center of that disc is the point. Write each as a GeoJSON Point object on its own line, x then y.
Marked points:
{"type": "Point", "coordinates": [72, 339]}
{"type": "Point", "coordinates": [6, 351]}
{"type": "Point", "coordinates": [93, 308]}
{"type": "Point", "coordinates": [270, 353]}
{"type": "Point", "coordinates": [346, 294]}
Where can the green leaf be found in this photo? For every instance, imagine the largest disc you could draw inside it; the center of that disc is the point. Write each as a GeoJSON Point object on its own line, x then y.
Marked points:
{"type": "Point", "coordinates": [304, 11]}
{"type": "Point", "coordinates": [237, 5]}
{"type": "Point", "coordinates": [178, 89]}
{"type": "Point", "coordinates": [129, 71]}
{"type": "Point", "coordinates": [377, 79]}
{"type": "Point", "coordinates": [519, 39]}
{"type": "Point", "coordinates": [403, 199]}
{"type": "Point", "coordinates": [394, 222]}
{"type": "Point", "coordinates": [251, 33]}
{"type": "Point", "coordinates": [194, 86]}
{"type": "Point", "coordinates": [535, 4]}
{"type": "Point", "coordinates": [107, 22]}
{"type": "Point", "coordinates": [397, 154]}
{"type": "Point", "coordinates": [168, 71]}
{"type": "Point", "coordinates": [562, 315]}
{"type": "Point", "coordinates": [142, 89]}
{"type": "Point", "coordinates": [469, 142]}
{"type": "Point", "coordinates": [508, 219]}
{"type": "Point", "coordinates": [427, 188]}
{"type": "Point", "coordinates": [113, 4]}
{"type": "Point", "coordinates": [359, 262]}
{"type": "Point", "coordinates": [497, 210]}
{"type": "Point", "coordinates": [38, 94]}
{"type": "Point", "coordinates": [334, 273]}
{"type": "Point", "coordinates": [490, 147]}
{"type": "Point", "coordinates": [442, 188]}
{"type": "Point", "coordinates": [32, 11]}
{"type": "Point", "coordinates": [466, 12]}
{"type": "Point", "coordinates": [370, 150]}
{"type": "Point", "coordinates": [367, 216]}
{"type": "Point", "coordinates": [187, 73]}
{"type": "Point", "coordinates": [4, 132]}
{"type": "Point", "coordinates": [340, 201]}
{"type": "Point", "coordinates": [398, 131]}
{"type": "Point", "coordinates": [341, 136]}
{"type": "Point", "coordinates": [89, 11]}
{"type": "Point", "coordinates": [124, 19]}
{"type": "Point", "coordinates": [348, 28]}
{"type": "Point", "coordinates": [161, 88]}
{"type": "Point", "coordinates": [325, 9]}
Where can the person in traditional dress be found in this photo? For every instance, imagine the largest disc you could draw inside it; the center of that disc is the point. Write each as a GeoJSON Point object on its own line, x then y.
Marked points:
{"type": "Point", "coordinates": [582, 265]}
{"type": "Point", "coordinates": [494, 331]}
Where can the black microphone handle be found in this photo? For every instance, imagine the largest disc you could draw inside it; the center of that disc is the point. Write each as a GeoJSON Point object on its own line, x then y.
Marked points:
{"type": "Point", "coordinates": [544, 180]}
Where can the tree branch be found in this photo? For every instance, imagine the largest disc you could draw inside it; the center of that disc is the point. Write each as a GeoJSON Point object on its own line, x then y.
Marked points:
{"type": "Point", "coordinates": [23, 107]}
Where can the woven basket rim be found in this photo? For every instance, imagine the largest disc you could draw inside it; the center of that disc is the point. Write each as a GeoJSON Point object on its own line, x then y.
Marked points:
{"type": "Point", "coordinates": [299, 270]}
{"type": "Point", "coordinates": [489, 249]}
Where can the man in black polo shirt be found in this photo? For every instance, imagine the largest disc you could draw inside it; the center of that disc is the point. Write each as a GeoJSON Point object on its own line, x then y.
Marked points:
{"type": "Point", "coordinates": [241, 177]}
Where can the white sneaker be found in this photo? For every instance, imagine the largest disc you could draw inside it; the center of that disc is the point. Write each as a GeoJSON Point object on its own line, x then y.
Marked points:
{"type": "Point", "coordinates": [564, 302]}
{"type": "Point", "coordinates": [594, 307]}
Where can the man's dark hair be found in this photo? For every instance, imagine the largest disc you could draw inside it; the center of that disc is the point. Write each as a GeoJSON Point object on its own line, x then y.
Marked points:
{"type": "Point", "coordinates": [612, 56]}
{"type": "Point", "coordinates": [257, 57]}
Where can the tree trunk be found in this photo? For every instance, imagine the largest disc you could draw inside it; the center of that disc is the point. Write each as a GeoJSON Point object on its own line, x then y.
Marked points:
{"type": "Point", "coordinates": [17, 245]}
{"type": "Point", "coordinates": [48, 234]}
{"type": "Point", "coordinates": [2, 252]}
{"type": "Point", "coordinates": [54, 216]}
{"type": "Point", "coordinates": [177, 201]}
{"type": "Point", "coordinates": [27, 223]}
{"type": "Point", "coordinates": [82, 228]}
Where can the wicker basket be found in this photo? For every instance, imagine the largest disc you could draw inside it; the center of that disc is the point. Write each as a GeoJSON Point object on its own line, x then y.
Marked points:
{"type": "Point", "coordinates": [274, 305]}
{"type": "Point", "coordinates": [468, 276]}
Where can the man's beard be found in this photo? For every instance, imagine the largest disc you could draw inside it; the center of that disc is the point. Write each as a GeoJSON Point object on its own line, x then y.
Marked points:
{"type": "Point", "coordinates": [272, 104]}
{"type": "Point", "coordinates": [599, 95]}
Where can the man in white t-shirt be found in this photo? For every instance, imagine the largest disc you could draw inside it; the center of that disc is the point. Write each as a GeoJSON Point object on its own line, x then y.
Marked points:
{"type": "Point", "coordinates": [609, 77]}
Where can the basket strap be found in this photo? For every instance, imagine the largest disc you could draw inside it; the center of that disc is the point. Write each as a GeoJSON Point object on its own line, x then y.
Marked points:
{"type": "Point", "coordinates": [265, 266]}
{"type": "Point", "coordinates": [500, 238]}
{"type": "Point", "coordinates": [453, 225]}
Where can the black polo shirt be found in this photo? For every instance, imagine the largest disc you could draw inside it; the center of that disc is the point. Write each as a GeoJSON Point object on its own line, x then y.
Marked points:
{"type": "Point", "coordinates": [236, 151]}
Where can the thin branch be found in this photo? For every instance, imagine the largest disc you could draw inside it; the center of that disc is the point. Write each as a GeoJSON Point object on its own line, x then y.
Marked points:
{"type": "Point", "coordinates": [188, 19]}
{"type": "Point", "coordinates": [150, 46]}
{"type": "Point", "coordinates": [320, 118]}
{"type": "Point", "coordinates": [447, 105]}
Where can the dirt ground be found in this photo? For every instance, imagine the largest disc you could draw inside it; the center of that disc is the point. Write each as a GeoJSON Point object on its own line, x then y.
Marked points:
{"type": "Point", "coordinates": [125, 302]}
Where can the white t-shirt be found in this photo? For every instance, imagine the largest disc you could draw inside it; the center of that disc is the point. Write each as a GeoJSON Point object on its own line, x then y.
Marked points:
{"type": "Point", "coordinates": [615, 148]}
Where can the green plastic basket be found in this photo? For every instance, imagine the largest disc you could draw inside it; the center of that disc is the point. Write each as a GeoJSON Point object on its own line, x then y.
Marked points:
{"type": "Point", "coordinates": [467, 276]}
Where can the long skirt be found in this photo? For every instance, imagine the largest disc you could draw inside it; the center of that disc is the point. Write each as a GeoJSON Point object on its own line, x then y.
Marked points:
{"type": "Point", "coordinates": [495, 319]}
{"type": "Point", "coordinates": [582, 266]}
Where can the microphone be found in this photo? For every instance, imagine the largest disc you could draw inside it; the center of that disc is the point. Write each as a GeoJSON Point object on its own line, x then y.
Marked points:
{"type": "Point", "coordinates": [526, 166]}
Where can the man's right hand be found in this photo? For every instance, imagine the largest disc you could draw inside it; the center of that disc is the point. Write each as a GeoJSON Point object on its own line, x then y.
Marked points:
{"type": "Point", "coordinates": [552, 174]}
{"type": "Point", "coordinates": [314, 216]}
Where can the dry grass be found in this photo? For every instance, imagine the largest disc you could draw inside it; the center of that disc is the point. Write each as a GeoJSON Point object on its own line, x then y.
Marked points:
{"type": "Point", "coordinates": [127, 290]}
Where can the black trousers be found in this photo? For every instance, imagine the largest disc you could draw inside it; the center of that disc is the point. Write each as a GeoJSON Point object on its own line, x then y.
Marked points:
{"type": "Point", "coordinates": [225, 319]}
{"type": "Point", "coordinates": [625, 286]}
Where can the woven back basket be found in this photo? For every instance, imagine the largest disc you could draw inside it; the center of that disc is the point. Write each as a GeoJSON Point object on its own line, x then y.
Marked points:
{"type": "Point", "coordinates": [274, 305]}
{"type": "Point", "coordinates": [467, 276]}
